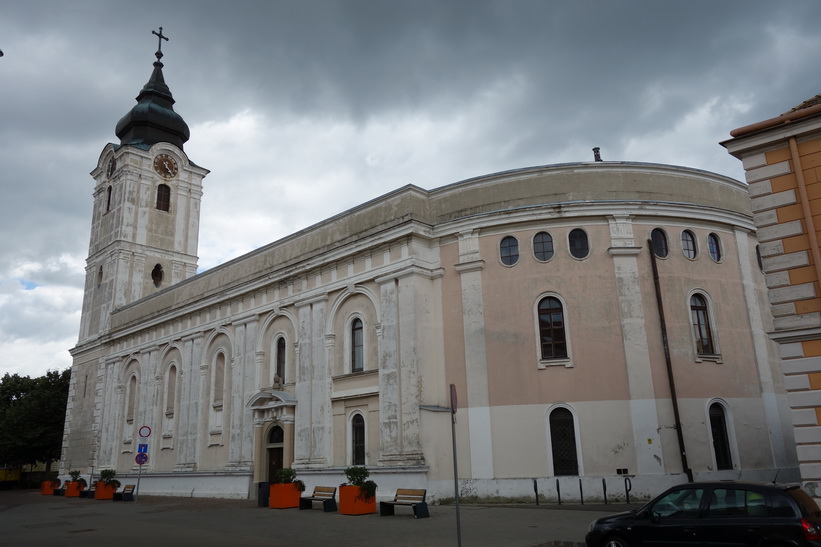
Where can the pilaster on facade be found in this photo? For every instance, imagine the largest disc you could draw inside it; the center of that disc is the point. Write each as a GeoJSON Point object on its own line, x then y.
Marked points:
{"type": "Point", "coordinates": [398, 381]}
{"type": "Point", "coordinates": [643, 404]}
{"type": "Point", "coordinates": [476, 371]}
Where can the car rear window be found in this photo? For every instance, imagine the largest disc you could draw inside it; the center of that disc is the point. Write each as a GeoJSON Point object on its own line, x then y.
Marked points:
{"type": "Point", "coordinates": [807, 504]}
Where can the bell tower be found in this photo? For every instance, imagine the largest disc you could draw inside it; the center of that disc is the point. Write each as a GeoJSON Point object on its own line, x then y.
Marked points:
{"type": "Point", "coordinates": [145, 221]}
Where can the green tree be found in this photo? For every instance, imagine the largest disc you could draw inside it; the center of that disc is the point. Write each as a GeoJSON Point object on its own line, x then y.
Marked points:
{"type": "Point", "coordinates": [32, 416]}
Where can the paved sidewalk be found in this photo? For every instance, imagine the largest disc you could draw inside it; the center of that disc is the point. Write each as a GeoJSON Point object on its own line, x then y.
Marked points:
{"type": "Point", "coordinates": [28, 518]}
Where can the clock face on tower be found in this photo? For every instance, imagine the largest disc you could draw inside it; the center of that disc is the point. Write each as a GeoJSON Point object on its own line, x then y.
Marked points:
{"type": "Point", "coordinates": [165, 166]}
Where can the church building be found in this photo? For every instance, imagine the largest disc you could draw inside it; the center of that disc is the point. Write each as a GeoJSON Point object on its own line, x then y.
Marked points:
{"type": "Point", "coordinates": [602, 323]}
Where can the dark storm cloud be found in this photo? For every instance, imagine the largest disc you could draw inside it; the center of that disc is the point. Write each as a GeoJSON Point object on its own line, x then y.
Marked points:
{"type": "Point", "coordinates": [349, 99]}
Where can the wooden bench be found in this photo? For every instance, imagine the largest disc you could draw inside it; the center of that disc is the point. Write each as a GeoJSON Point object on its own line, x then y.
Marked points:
{"type": "Point", "coordinates": [406, 496]}
{"type": "Point", "coordinates": [127, 493]}
{"type": "Point", "coordinates": [325, 494]}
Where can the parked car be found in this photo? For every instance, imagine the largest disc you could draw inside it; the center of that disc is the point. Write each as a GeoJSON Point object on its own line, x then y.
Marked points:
{"type": "Point", "coordinates": [716, 513]}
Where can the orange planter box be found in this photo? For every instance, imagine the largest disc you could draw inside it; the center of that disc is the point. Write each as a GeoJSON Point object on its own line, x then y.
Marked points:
{"type": "Point", "coordinates": [47, 488]}
{"type": "Point", "coordinates": [351, 504]}
{"type": "Point", "coordinates": [73, 489]}
{"type": "Point", "coordinates": [103, 492]}
{"type": "Point", "coordinates": [284, 496]}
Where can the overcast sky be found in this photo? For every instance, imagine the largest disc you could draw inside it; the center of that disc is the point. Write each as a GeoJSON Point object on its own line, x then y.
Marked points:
{"type": "Point", "coordinates": [303, 109]}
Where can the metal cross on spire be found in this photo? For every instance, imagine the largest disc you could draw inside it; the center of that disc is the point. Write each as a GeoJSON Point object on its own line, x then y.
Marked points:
{"type": "Point", "coordinates": [160, 38]}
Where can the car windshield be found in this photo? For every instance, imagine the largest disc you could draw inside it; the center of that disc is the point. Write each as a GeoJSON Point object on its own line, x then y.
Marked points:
{"type": "Point", "coordinates": [680, 503]}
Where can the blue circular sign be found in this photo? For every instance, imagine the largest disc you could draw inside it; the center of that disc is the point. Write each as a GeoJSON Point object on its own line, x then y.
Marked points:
{"type": "Point", "coordinates": [141, 458]}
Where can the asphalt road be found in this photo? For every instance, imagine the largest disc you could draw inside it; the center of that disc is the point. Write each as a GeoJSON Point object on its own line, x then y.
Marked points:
{"type": "Point", "coordinates": [30, 519]}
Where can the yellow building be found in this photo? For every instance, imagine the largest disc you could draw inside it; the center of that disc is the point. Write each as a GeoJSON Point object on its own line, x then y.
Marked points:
{"type": "Point", "coordinates": [782, 160]}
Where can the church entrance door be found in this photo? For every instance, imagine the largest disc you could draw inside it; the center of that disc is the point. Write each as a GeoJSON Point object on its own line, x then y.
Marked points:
{"type": "Point", "coordinates": [275, 446]}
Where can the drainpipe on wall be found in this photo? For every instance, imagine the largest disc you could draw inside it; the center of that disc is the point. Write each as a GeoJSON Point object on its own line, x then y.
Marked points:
{"type": "Point", "coordinates": [670, 379]}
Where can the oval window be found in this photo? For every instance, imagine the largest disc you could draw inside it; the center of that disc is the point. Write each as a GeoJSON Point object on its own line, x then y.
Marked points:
{"type": "Point", "coordinates": [509, 250]}
{"type": "Point", "coordinates": [579, 246]}
{"type": "Point", "coordinates": [659, 241]}
{"type": "Point", "coordinates": [714, 246]}
{"type": "Point", "coordinates": [688, 244]}
{"type": "Point", "coordinates": [543, 246]}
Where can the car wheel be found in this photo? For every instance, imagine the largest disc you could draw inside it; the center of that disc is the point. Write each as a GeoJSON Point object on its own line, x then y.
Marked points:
{"type": "Point", "coordinates": [616, 541]}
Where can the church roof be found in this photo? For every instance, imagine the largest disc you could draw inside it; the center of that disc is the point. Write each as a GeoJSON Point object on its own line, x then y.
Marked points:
{"type": "Point", "coordinates": [806, 104]}
{"type": "Point", "coordinates": [810, 107]}
{"type": "Point", "coordinates": [153, 119]}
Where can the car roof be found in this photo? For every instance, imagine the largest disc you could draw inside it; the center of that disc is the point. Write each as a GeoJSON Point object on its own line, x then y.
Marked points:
{"type": "Point", "coordinates": [753, 484]}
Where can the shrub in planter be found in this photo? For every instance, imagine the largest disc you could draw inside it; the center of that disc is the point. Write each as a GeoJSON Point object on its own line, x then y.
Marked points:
{"type": "Point", "coordinates": [47, 487]}
{"type": "Point", "coordinates": [285, 491]}
{"type": "Point", "coordinates": [105, 487]}
{"type": "Point", "coordinates": [358, 495]}
{"type": "Point", "coordinates": [75, 484]}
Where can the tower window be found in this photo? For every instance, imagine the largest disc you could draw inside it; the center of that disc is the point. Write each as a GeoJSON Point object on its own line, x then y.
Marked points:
{"type": "Point", "coordinates": [157, 275]}
{"type": "Point", "coordinates": [99, 276]}
{"type": "Point", "coordinates": [164, 197]}
{"type": "Point", "coordinates": [108, 199]}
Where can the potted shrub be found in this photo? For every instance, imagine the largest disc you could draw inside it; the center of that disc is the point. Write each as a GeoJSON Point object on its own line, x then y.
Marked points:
{"type": "Point", "coordinates": [48, 486]}
{"type": "Point", "coordinates": [105, 487]}
{"type": "Point", "coordinates": [75, 484]}
{"type": "Point", "coordinates": [358, 495]}
{"type": "Point", "coordinates": [286, 490]}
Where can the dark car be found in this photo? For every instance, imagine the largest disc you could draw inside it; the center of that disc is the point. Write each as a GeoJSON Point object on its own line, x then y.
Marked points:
{"type": "Point", "coordinates": [716, 513]}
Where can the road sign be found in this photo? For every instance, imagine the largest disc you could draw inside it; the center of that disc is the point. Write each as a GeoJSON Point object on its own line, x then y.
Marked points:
{"type": "Point", "coordinates": [145, 431]}
{"type": "Point", "coordinates": [142, 448]}
{"type": "Point", "coordinates": [141, 458]}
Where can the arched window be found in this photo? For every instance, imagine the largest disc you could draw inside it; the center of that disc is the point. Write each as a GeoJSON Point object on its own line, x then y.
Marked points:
{"type": "Point", "coordinates": [280, 360]}
{"type": "Point", "coordinates": [164, 197]}
{"type": "Point", "coordinates": [357, 440]}
{"type": "Point", "coordinates": [563, 442]}
{"type": "Point", "coordinates": [131, 398]}
{"type": "Point", "coordinates": [714, 247]}
{"type": "Point", "coordinates": [99, 276]}
{"type": "Point", "coordinates": [171, 391]}
{"type": "Point", "coordinates": [721, 438]}
{"type": "Point", "coordinates": [688, 244]}
{"type": "Point", "coordinates": [357, 346]}
{"type": "Point", "coordinates": [659, 241]}
{"type": "Point", "coordinates": [579, 246]}
{"type": "Point", "coordinates": [157, 275]}
{"type": "Point", "coordinates": [108, 199]}
{"type": "Point", "coordinates": [509, 250]}
{"type": "Point", "coordinates": [219, 379]}
{"type": "Point", "coordinates": [701, 325]}
{"type": "Point", "coordinates": [543, 246]}
{"type": "Point", "coordinates": [552, 329]}
{"type": "Point", "coordinates": [276, 435]}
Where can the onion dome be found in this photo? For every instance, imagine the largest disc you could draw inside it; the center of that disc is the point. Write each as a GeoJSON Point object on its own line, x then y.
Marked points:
{"type": "Point", "coordinates": [153, 119]}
